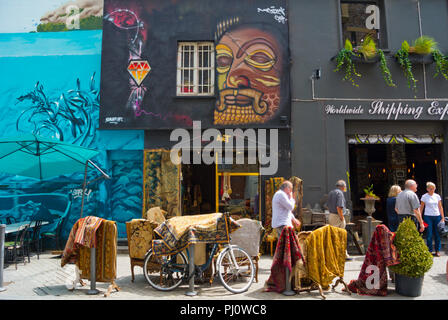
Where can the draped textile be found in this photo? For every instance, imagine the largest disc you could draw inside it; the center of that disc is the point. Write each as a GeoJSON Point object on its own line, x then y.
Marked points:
{"type": "Point", "coordinates": [177, 233]}
{"type": "Point", "coordinates": [105, 236]}
{"type": "Point", "coordinates": [326, 254]}
{"type": "Point", "coordinates": [381, 253]}
{"type": "Point", "coordinates": [271, 186]}
{"type": "Point", "coordinates": [105, 254]}
{"type": "Point", "coordinates": [83, 233]}
{"type": "Point", "coordinates": [140, 236]}
{"type": "Point", "coordinates": [161, 183]}
{"type": "Point", "coordinates": [85, 236]}
{"type": "Point", "coordinates": [287, 254]}
{"type": "Point", "coordinates": [156, 216]}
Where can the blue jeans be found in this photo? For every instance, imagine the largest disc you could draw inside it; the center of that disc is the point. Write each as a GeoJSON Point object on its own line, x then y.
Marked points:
{"type": "Point", "coordinates": [432, 229]}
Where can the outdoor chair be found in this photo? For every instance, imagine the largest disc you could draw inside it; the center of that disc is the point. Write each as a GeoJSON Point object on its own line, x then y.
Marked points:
{"type": "Point", "coordinates": [10, 220]}
{"type": "Point", "coordinates": [55, 234]}
{"type": "Point", "coordinates": [33, 237]}
{"type": "Point", "coordinates": [249, 237]}
{"type": "Point", "coordinates": [140, 233]}
{"type": "Point", "coordinates": [300, 272]}
{"type": "Point", "coordinates": [16, 248]}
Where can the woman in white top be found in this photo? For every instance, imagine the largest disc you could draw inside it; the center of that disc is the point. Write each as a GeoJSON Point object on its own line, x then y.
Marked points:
{"type": "Point", "coordinates": [433, 215]}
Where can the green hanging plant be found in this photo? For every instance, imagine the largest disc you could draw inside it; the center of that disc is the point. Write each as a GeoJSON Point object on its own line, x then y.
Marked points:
{"type": "Point", "coordinates": [415, 258]}
{"type": "Point", "coordinates": [385, 69]}
{"type": "Point", "coordinates": [402, 56]}
{"type": "Point", "coordinates": [423, 45]}
{"type": "Point", "coordinates": [344, 58]}
{"type": "Point", "coordinates": [366, 50]}
{"type": "Point", "coordinates": [441, 64]}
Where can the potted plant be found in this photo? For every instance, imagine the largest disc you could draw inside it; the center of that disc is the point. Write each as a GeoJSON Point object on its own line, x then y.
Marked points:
{"type": "Point", "coordinates": [367, 52]}
{"type": "Point", "coordinates": [344, 58]}
{"type": "Point", "coordinates": [424, 51]}
{"type": "Point", "coordinates": [370, 195]}
{"type": "Point", "coordinates": [415, 260]}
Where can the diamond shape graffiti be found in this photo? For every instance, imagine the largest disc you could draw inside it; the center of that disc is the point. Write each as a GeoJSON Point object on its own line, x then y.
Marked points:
{"type": "Point", "coordinates": [139, 69]}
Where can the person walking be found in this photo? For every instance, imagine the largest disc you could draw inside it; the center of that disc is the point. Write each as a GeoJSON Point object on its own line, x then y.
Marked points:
{"type": "Point", "coordinates": [336, 205]}
{"type": "Point", "coordinates": [431, 203]}
{"type": "Point", "coordinates": [392, 217]}
{"type": "Point", "coordinates": [408, 205]}
{"type": "Point", "coordinates": [282, 205]}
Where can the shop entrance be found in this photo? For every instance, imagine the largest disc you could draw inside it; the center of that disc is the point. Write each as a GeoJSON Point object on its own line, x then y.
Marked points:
{"type": "Point", "coordinates": [384, 165]}
{"type": "Point", "coordinates": [198, 189]}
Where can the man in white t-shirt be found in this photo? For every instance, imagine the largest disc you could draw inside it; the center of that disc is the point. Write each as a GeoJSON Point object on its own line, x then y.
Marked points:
{"type": "Point", "coordinates": [282, 205]}
{"type": "Point", "coordinates": [432, 203]}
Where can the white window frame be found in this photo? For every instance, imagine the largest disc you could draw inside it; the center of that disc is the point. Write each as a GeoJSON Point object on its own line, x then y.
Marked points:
{"type": "Point", "coordinates": [195, 69]}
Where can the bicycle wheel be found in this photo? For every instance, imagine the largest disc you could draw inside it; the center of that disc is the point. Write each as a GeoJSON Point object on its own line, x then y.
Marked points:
{"type": "Point", "coordinates": [165, 272]}
{"type": "Point", "coordinates": [237, 274]}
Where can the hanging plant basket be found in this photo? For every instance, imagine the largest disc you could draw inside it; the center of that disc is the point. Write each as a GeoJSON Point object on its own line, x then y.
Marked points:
{"type": "Point", "coordinates": [362, 60]}
{"type": "Point", "coordinates": [416, 58]}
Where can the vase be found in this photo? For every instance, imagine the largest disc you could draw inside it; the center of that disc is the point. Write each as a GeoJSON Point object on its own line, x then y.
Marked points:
{"type": "Point", "coordinates": [408, 286]}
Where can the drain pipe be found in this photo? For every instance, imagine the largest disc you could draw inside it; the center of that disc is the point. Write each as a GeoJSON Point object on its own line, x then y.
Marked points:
{"type": "Point", "coordinates": [420, 29]}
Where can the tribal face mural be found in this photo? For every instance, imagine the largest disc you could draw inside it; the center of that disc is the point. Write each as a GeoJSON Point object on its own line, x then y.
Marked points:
{"type": "Point", "coordinates": [146, 59]}
{"type": "Point", "coordinates": [248, 66]}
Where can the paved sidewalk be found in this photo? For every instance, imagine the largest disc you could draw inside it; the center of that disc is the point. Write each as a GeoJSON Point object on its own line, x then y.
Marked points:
{"type": "Point", "coordinates": [44, 279]}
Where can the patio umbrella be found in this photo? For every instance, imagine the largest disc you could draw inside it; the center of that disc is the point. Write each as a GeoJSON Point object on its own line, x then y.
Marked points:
{"type": "Point", "coordinates": [34, 156]}
{"type": "Point", "coordinates": [38, 157]}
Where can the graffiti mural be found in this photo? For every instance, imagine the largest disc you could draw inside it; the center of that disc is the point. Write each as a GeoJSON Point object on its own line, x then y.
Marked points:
{"type": "Point", "coordinates": [49, 85]}
{"type": "Point", "coordinates": [142, 62]}
{"type": "Point", "coordinates": [249, 61]}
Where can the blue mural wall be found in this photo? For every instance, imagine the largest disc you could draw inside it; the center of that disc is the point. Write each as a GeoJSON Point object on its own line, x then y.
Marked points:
{"type": "Point", "coordinates": [49, 85]}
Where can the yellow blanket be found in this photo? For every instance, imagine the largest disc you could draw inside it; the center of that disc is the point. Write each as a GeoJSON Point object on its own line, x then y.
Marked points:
{"type": "Point", "coordinates": [326, 254]}
{"type": "Point", "coordinates": [106, 254]}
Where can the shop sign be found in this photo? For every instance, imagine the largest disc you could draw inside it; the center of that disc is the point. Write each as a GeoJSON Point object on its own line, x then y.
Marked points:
{"type": "Point", "coordinates": [392, 110]}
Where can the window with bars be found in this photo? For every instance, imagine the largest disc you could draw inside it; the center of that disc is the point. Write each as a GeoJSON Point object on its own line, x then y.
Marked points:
{"type": "Point", "coordinates": [195, 69]}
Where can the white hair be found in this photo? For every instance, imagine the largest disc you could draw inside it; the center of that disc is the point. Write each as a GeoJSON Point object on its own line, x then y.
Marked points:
{"type": "Point", "coordinates": [409, 183]}
{"type": "Point", "coordinates": [430, 184]}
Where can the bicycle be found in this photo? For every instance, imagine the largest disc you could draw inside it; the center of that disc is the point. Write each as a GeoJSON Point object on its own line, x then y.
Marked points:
{"type": "Point", "coordinates": [234, 267]}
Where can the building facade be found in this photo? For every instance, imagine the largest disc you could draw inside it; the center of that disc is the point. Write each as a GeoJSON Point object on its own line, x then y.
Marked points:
{"type": "Point", "coordinates": [370, 132]}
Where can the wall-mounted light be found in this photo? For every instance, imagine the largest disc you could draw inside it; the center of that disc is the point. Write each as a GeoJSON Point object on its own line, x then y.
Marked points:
{"type": "Point", "coordinates": [413, 166]}
{"type": "Point", "coordinates": [435, 162]}
{"type": "Point", "coordinates": [317, 73]}
{"type": "Point", "coordinates": [409, 170]}
{"type": "Point", "coordinates": [369, 175]}
{"type": "Point", "coordinates": [384, 170]}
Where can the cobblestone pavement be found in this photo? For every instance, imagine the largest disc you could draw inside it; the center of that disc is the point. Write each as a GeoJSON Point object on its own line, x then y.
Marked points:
{"type": "Point", "coordinates": [44, 279]}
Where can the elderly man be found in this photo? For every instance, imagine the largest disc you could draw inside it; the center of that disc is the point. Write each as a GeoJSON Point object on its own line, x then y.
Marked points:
{"type": "Point", "coordinates": [408, 205]}
{"type": "Point", "coordinates": [282, 205]}
{"type": "Point", "coordinates": [336, 206]}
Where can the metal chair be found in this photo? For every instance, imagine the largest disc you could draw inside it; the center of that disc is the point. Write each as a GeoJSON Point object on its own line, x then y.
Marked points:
{"type": "Point", "coordinates": [10, 220]}
{"type": "Point", "coordinates": [13, 248]}
{"type": "Point", "coordinates": [55, 234]}
{"type": "Point", "coordinates": [33, 237]}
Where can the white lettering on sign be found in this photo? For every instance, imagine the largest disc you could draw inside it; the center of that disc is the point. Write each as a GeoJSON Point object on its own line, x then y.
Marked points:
{"type": "Point", "coordinates": [391, 110]}
{"type": "Point", "coordinates": [395, 110]}
{"type": "Point", "coordinates": [331, 109]}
